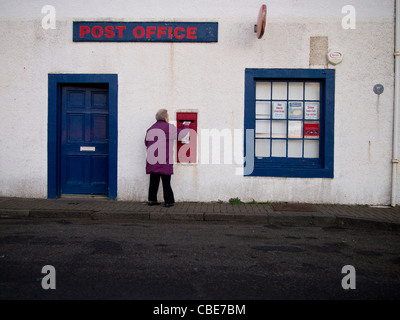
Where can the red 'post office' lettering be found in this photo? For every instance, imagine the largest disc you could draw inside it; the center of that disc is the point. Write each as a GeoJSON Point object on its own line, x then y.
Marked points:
{"type": "Point", "coordinates": [139, 32]}
{"type": "Point", "coordinates": [161, 31]}
{"type": "Point", "coordinates": [150, 30]}
{"type": "Point", "coordinates": [83, 30]}
{"type": "Point", "coordinates": [95, 33]}
{"type": "Point", "coordinates": [120, 31]}
{"type": "Point", "coordinates": [109, 32]}
{"type": "Point", "coordinates": [191, 33]}
{"type": "Point", "coordinates": [179, 36]}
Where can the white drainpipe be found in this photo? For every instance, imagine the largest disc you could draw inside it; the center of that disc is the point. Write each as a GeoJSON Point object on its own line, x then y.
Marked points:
{"type": "Point", "coordinates": [395, 160]}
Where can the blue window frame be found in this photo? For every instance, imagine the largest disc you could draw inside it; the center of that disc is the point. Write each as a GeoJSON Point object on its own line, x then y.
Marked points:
{"type": "Point", "coordinates": [55, 83]}
{"type": "Point", "coordinates": [289, 118]}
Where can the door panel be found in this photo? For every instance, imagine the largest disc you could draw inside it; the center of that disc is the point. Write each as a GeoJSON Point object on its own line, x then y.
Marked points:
{"type": "Point", "coordinates": [99, 165]}
{"type": "Point", "coordinates": [84, 140]}
{"type": "Point", "coordinates": [75, 169]}
{"type": "Point", "coordinates": [99, 127]}
{"type": "Point", "coordinates": [76, 127]}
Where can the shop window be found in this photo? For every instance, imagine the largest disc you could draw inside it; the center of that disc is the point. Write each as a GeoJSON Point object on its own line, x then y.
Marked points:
{"type": "Point", "coordinates": [289, 114]}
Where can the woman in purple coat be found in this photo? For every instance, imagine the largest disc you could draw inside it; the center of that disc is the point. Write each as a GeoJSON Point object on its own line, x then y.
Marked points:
{"type": "Point", "coordinates": [159, 142]}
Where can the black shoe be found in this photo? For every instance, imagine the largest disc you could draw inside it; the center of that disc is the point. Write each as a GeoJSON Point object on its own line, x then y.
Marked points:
{"type": "Point", "coordinates": [167, 205]}
{"type": "Point", "coordinates": [153, 203]}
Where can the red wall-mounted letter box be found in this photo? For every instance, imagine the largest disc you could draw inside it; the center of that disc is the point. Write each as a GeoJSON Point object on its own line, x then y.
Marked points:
{"type": "Point", "coordinates": [187, 148]}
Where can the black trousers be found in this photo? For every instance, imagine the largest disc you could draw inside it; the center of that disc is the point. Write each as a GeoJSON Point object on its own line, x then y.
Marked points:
{"type": "Point", "coordinates": [167, 190]}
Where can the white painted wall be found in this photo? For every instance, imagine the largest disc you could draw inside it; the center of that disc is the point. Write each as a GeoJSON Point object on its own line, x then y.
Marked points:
{"type": "Point", "coordinates": [207, 77]}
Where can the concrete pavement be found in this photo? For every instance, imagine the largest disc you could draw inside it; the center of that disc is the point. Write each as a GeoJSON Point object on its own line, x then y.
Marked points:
{"type": "Point", "coordinates": [97, 208]}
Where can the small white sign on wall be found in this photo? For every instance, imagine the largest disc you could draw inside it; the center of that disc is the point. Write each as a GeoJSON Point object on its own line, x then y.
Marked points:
{"type": "Point", "coordinates": [335, 56]}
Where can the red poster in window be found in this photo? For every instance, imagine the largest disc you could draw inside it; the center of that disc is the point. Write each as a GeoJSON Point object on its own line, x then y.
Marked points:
{"type": "Point", "coordinates": [311, 130]}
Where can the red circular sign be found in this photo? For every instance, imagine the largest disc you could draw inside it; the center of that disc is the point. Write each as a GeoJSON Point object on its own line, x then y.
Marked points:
{"type": "Point", "coordinates": [261, 21]}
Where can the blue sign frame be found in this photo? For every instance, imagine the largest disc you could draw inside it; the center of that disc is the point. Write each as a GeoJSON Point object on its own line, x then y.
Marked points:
{"type": "Point", "coordinates": [103, 31]}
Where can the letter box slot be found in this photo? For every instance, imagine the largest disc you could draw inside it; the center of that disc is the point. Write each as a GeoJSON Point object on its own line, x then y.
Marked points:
{"type": "Point", "coordinates": [88, 149]}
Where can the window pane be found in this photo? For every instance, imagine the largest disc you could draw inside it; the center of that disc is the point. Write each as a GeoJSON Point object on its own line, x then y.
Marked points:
{"type": "Point", "coordinates": [279, 110]}
{"type": "Point", "coordinates": [311, 148]}
{"type": "Point", "coordinates": [263, 90]}
{"type": "Point", "coordinates": [263, 109]}
{"type": "Point", "coordinates": [279, 129]}
{"type": "Point", "coordinates": [263, 147]}
{"type": "Point", "coordinates": [295, 110]}
{"type": "Point", "coordinates": [312, 91]}
{"type": "Point", "coordinates": [311, 130]}
{"type": "Point", "coordinates": [295, 129]}
{"type": "Point", "coordinates": [279, 90]}
{"type": "Point", "coordinates": [295, 90]}
{"type": "Point", "coordinates": [311, 111]}
{"type": "Point", "coordinates": [279, 148]}
{"type": "Point", "coordinates": [263, 129]}
{"type": "Point", "coordinates": [295, 148]}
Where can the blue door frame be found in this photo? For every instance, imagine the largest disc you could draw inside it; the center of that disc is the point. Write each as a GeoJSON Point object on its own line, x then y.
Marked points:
{"type": "Point", "coordinates": [55, 83]}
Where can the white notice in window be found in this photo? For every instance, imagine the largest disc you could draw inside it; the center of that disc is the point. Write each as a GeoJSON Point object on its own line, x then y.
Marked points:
{"type": "Point", "coordinates": [295, 110]}
{"type": "Point", "coordinates": [295, 129]}
{"type": "Point", "coordinates": [311, 111]}
{"type": "Point", "coordinates": [279, 110]}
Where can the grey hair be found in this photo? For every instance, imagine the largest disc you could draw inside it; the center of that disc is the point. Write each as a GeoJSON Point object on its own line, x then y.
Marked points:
{"type": "Point", "coordinates": [161, 114]}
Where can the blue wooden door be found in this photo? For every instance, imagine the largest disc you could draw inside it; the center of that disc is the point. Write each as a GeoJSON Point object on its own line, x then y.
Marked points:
{"type": "Point", "coordinates": [84, 140]}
